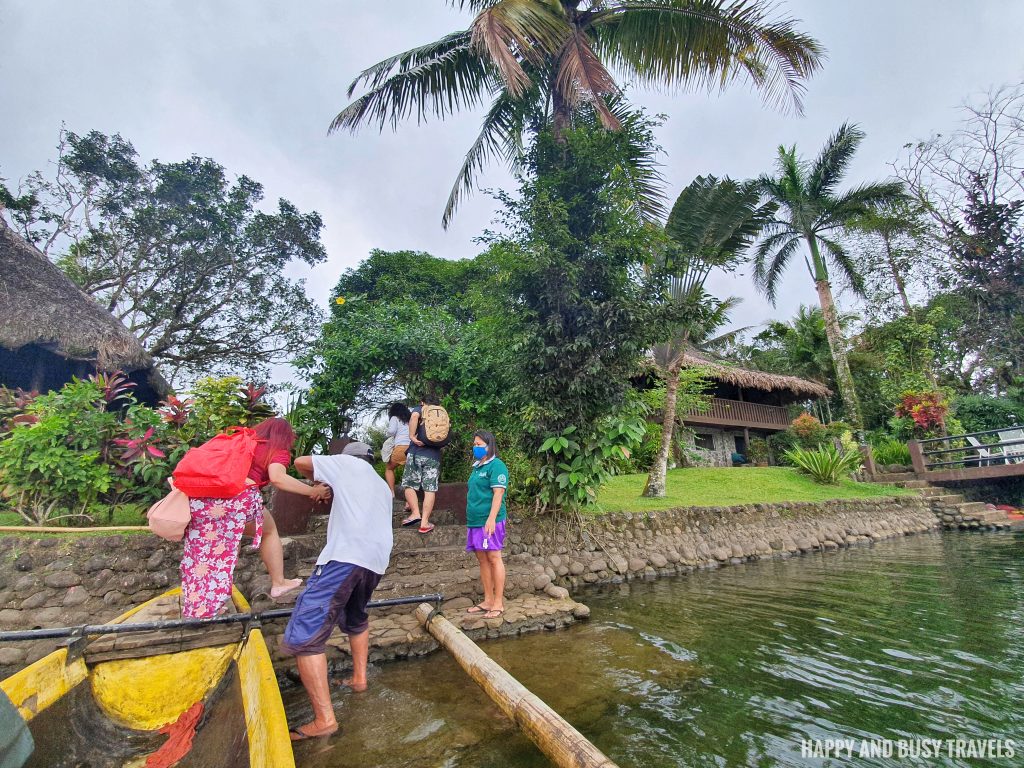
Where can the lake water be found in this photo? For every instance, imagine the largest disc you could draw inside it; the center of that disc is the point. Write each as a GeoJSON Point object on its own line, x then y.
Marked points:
{"type": "Point", "coordinates": [919, 638]}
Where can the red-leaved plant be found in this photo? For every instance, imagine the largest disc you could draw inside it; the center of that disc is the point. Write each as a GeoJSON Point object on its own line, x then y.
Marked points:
{"type": "Point", "coordinates": [926, 409]}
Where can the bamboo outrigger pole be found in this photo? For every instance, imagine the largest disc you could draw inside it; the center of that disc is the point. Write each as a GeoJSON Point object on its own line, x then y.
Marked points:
{"type": "Point", "coordinates": [564, 745]}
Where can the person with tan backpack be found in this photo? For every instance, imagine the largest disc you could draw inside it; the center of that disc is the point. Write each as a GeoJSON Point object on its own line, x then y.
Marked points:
{"type": "Point", "coordinates": [429, 432]}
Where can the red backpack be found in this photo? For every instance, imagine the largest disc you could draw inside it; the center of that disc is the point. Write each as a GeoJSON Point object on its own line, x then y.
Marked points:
{"type": "Point", "coordinates": [218, 468]}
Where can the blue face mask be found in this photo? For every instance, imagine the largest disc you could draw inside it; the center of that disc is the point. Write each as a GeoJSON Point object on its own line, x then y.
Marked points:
{"type": "Point", "coordinates": [479, 451]}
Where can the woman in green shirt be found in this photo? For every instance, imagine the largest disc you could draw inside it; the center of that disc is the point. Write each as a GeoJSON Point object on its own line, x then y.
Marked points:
{"type": "Point", "coordinates": [485, 522]}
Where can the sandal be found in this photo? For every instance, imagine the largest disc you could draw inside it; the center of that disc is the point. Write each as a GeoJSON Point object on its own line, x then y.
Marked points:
{"type": "Point", "coordinates": [410, 521]}
{"type": "Point", "coordinates": [478, 608]}
{"type": "Point", "coordinates": [494, 613]}
{"type": "Point", "coordinates": [427, 529]}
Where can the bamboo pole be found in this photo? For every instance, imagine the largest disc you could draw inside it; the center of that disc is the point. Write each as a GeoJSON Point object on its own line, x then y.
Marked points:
{"type": "Point", "coordinates": [564, 745]}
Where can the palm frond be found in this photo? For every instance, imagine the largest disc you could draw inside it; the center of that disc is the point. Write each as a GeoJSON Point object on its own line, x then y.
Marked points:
{"type": "Point", "coordinates": [453, 78]}
{"type": "Point", "coordinates": [771, 258]}
{"type": "Point", "coordinates": [714, 221]}
{"type": "Point", "coordinates": [403, 62]}
{"type": "Point", "coordinates": [583, 78]}
{"type": "Point", "coordinates": [707, 44]}
{"type": "Point", "coordinates": [500, 136]}
{"type": "Point", "coordinates": [510, 32]}
{"type": "Point", "coordinates": [861, 200]}
{"type": "Point", "coordinates": [639, 169]}
{"type": "Point", "coordinates": [841, 258]}
{"type": "Point", "coordinates": [834, 160]}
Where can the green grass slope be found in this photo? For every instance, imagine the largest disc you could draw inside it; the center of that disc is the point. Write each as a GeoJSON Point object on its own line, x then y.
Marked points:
{"type": "Point", "coordinates": [727, 486]}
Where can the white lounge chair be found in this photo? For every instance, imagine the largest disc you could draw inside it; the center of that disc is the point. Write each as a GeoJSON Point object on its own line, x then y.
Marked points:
{"type": "Point", "coordinates": [988, 457]}
{"type": "Point", "coordinates": [1014, 453]}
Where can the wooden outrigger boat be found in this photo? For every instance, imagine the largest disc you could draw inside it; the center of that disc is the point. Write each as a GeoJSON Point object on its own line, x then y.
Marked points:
{"type": "Point", "coordinates": [203, 698]}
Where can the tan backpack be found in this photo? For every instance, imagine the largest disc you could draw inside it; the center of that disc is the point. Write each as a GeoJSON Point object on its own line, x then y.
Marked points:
{"type": "Point", "coordinates": [435, 426]}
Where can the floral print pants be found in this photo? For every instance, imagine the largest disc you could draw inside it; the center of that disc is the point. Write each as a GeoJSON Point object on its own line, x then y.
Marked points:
{"type": "Point", "coordinates": [211, 549]}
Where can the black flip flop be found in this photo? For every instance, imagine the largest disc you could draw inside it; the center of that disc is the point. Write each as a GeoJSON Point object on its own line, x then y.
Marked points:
{"type": "Point", "coordinates": [406, 523]}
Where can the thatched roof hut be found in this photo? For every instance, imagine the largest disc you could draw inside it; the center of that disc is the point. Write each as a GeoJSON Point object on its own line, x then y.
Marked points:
{"type": "Point", "coordinates": [50, 330]}
{"type": "Point", "coordinates": [745, 378]}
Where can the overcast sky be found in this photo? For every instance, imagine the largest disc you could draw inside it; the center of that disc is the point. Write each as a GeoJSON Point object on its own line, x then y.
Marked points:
{"type": "Point", "coordinates": [254, 85]}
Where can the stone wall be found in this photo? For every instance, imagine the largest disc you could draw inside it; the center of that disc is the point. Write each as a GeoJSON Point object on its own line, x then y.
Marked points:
{"type": "Point", "coordinates": [68, 580]}
{"type": "Point", "coordinates": [649, 544]}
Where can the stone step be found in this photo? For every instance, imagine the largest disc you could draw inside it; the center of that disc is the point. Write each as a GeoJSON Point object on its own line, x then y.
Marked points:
{"type": "Point", "coordinates": [948, 499]}
{"type": "Point", "coordinates": [441, 536]}
{"type": "Point", "coordinates": [437, 517]}
{"type": "Point", "coordinates": [912, 484]}
{"type": "Point", "coordinates": [429, 559]}
{"type": "Point", "coordinates": [930, 491]}
{"type": "Point", "coordinates": [972, 508]}
{"type": "Point", "coordinates": [460, 582]}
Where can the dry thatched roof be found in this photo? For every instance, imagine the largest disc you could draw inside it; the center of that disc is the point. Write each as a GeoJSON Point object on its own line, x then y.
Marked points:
{"type": "Point", "coordinates": [40, 305]}
{"type": "Point", "coordinates": [721, 370]}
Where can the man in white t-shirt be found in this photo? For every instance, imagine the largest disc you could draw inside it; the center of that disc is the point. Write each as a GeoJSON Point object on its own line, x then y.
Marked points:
{"type": "Point", "coordinates": [358, 548]}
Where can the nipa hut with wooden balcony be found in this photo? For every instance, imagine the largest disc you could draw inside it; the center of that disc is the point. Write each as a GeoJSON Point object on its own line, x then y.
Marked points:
{"type": "Point", "coordinates": [745, 404]}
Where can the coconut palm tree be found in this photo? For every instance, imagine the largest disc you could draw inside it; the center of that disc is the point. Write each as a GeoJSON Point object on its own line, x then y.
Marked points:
{"type": "Point", "coordinates": [539, 62]}
{"type": "Point", "coordinates": [712, 223]}
{"type": "Point", "coordinates": [812, 209]}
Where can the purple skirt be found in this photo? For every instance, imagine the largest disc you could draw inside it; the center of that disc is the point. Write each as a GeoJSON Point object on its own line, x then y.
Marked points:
{"type": "Point", "coordinates": [478, 541]}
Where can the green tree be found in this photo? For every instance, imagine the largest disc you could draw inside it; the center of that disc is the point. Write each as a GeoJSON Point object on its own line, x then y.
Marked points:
{"type": "Point", "coordinates": [893, 246]}
{"type": "Point", "coordinates": [812, 210]}
{"type": "Point", "coordinates": [179, 252]}
{"type": "Point", "coordinates": [540, 62]}
{"type": "Point", "coordinates": [712, 223]}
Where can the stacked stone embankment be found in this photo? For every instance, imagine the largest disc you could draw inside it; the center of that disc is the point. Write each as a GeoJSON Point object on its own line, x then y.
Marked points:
{"type": "Point", "coordinates": [77, 579]}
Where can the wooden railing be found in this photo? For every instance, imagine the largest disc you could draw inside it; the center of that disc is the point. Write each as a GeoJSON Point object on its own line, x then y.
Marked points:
{"type": "Point", "coordinates": [737, 413]}
{"type": "Point", "coordinates": [956, 456]}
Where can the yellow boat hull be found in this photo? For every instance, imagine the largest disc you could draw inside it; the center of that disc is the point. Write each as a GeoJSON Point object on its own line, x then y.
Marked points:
{"type": "Point", "coordinates": [111, 713]}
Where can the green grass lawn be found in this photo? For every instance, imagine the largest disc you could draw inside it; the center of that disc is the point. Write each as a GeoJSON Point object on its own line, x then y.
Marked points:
{"type": "Point", "coordinates": [727, 486]}
{"type": "Point", "coordinates": [125, 514]}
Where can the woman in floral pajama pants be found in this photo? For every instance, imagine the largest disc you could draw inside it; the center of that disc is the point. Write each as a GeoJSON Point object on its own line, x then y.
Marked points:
{"type": "Point", "coordinates": [213, 535]}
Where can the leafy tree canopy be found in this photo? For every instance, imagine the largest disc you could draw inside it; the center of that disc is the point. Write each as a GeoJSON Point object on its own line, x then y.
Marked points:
{"type": "Point", "coordinates": [181, 253]}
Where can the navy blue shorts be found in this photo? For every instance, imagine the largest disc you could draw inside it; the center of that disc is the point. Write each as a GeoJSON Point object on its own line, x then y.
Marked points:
{"type": "Point", "coordinates": [335, 596]}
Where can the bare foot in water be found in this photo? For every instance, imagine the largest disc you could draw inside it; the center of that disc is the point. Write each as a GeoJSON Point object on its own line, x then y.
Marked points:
{"type": "Point", "coordinates": [284, 588]}
{"type": "Point", "coordinates": [349, 682]}
{"type": "Point", "coordinates": [312, 730]}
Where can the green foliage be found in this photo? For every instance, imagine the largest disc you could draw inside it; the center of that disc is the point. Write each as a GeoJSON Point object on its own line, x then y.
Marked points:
{"type": "Point", "coordinates": [889, 450]}
{"type": "Point", "coordinates": [87, 449]}
{"type": "Point", "coordinates": [53, 468]}
{"type": "Point", "coordinates": [544, 65]}
{"type": "Point", "coordinates": [758, 451]}
{"type": "Point", "coordinates": [178, 251]}
{"type": "Point", "coordinates": [574, 469]}
{"type": "Point", "coordinates": [979, 413]}
{"type": "Point", "coordinates": [825, 464]}
{"type": "Point", "coordinates": [584, 312]}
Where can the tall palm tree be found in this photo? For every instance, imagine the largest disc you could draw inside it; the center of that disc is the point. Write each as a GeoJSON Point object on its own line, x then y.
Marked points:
{"type": "Point", "coordinates": [712, 222]}
{"type": "Point", "coordinates": [539, 62]}
{"type": "Point", "coordinates": [812, 210]}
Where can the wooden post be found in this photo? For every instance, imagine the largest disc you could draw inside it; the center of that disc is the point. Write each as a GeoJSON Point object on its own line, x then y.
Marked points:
{"type": "Point", "coordinates": [869, 460]}
{"type": "Point", "coordinates": [560, 742]}
{"type": "Point", "coordinates": [917, 458]}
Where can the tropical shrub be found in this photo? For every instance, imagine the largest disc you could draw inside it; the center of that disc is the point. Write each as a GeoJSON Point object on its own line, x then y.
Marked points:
{"type": "Point", "coordinates": [827, 464]}
{"type": "Point", "coordinates": [889, 450]}
{"type": "Point", "coordinates": [758, 451]}
{"type": "Point", "coordinates": [52, 467]}
{"type": "Point", "coordinates": [78, 452]}
{"type": "Point", "coordinates": [808, 431]}
{"type": "Point", "coordinates": [927, 410]}
{"type": "Point", "coordinates": [574, 467]}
